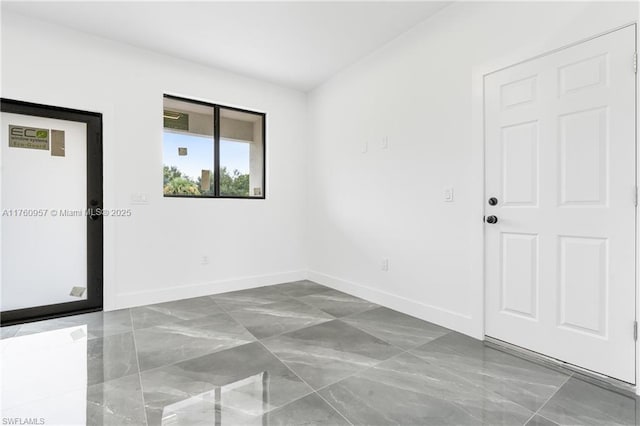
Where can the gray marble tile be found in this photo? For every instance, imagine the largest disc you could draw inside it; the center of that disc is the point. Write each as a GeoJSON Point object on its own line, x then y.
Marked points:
{"type": "Point", "coordinates": [300, 288]}
{"type": "Point", "coordinates": [111, 357]}
{"type": "Point", "coordinates": [513, 378]}
{"type": "Point", "coordinates": [99, 324]}
{"type": "Point", "coordinates": [579, 402]}
{"type": "Point", "coordinates": [310, 410]}
{"type": "Point", "coordinates": [538, 420]}
{"type": "Point", "coordinates": [367, 402]}
{"type": "Point", "coordinates": [277, 318]}
{"type": "Point", "coordinates": [9, 331]}
{"type": "Point", "coordinates": [204, 410]}
{"type": "Point", "coordinates": [325, 353]}
{"type": "Point", "coordinates": [405, 390]}
{"type": "Point", "coordinates": [337, 303]}
{"type": "Point", "coordinates": [246, 298]}
{"type": "Point", "coordinates": [178, 341]}
{"type": "Point", "coordinates": [396, 328]}
{"type": "Point", "coordinates": [116, 402]}
{"type": "Point", "coordinates": [247, 380]}
{"type": "Point", "coordinates": [170, 312]}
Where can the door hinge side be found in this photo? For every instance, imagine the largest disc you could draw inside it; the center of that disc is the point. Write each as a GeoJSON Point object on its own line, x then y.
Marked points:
{"type": "Point", "coordinates": [635, 330]}
{"type": "Point", "coordinates": [635, 196]}
{"type": "Point", "coordinates": [635, 62]}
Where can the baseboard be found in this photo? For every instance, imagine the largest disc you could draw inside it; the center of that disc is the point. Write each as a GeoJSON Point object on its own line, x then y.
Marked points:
{"type": "Point", "coordinates": [454, 320]}
{"type": "Point", "coordinates": [446, 318]}
{"type": "Point", "coordinates": [131, 299]}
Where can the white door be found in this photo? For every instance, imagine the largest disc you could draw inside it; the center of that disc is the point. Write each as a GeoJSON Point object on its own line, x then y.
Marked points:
{"type": "Point", "coordinates": [560, 161]}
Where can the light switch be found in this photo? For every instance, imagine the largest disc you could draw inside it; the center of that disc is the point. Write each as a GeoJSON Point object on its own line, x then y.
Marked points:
{"type": "Point", "coordinates": [385, 142]}
{"type": "Point", "coordinates": [139, 198]}
{"type": "Point", "coordinates": [447, 194]}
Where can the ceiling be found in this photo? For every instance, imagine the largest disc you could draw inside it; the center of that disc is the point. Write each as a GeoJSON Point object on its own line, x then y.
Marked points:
{"type": "Point", "coordinates": [294, 44]}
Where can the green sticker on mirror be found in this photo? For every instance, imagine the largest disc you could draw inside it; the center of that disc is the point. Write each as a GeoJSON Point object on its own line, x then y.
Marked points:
{"type": "Point", "coordinates": [28, 137]}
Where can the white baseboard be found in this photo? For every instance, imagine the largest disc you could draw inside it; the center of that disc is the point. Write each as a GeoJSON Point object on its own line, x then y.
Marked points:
{"type": "Point", "coordinates": [446, 318]}
{"type": "Point", "coordinates": [139, 298]}
{"type": "Point", "coordinates": [454, 320]}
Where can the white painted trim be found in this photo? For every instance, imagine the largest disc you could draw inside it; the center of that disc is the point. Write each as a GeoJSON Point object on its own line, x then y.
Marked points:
{"type": "Point", "coordinates": [446, 318]}
{"type": "Point", "coordinates": [478, 144]}
{"type": "Point", "coordinates": [637, 211]}
{"type": "Point", "coordinates": [131, 299]}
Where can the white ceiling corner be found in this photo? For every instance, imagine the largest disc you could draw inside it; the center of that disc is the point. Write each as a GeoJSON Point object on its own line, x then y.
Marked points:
{"type": "Point", "coordinates": [293, 44]}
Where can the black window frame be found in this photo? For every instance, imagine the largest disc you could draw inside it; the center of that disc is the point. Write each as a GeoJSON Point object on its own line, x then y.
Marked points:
{"type": "Point", "coordinates": [216, 150]}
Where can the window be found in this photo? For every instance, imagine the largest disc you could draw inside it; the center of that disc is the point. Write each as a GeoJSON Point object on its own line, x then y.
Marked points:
{"type": "Point", "coordinates": [212, 151]}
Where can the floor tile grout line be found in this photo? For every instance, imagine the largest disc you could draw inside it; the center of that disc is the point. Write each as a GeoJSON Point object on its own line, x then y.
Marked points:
{"type": "Point", "coordinates": [470, 383]}
{"type": "Point", "coordinates": [313, 391]}
{"type": "Point", "coordinates": [551, 397]}
{"type": "Point", "coordinates": [442, 369]}
{"type": "Point", "coordinates": [324, 322]}
{"type": "Point", "coordinates": [546, 418]}
{"type": "Point", "coordinates": [287, 331]}
{"type": "Point", "coordinates": [133, 330]}
{"type": "Point", "coordinates": [402, 351]}
{"type": "Point", "coordinates": [230, 312]}
{"type": "Point", "coordinates": [390, 343]}
{"type": "Point", "coordinates": [363, 370]}
{"type": "Point", "coordinates": [338, 317]}
{"type": "Point", "coordinates": [178, 320]}
{"type": "Point", "coordinates": [448, 330]}
{"type": "Point", "coordinates": [135, 348]}
{"type": "Point", "coordinates": [195, 357]}
{"type": "Point", "coordinates": [529, 419]}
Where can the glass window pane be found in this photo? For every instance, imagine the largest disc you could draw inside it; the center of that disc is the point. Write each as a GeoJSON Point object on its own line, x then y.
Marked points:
{"type": "Point", "coordinates": [241, 154]}
{"type": "Point", "coordinates": [188, 153]}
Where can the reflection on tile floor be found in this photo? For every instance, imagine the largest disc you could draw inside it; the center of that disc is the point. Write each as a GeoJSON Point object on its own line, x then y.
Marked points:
{"type": "Point", "coordinates": [289, 354]}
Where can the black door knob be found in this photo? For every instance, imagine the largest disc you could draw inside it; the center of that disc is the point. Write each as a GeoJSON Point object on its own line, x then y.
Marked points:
{"type": "Point", "coordinates": [492, 219]}
{"type": "Point", "coordinates": [493, 201]}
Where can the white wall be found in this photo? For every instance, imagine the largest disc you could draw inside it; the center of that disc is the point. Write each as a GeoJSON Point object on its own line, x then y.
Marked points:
{"type": "Point", "coordinates": [156, 254]}
{"type": "Point", "coordinates": [420, 91]}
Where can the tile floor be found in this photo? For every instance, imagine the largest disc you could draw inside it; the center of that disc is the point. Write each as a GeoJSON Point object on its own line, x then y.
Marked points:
{"type": "Point", "coordinates": [289, 354]}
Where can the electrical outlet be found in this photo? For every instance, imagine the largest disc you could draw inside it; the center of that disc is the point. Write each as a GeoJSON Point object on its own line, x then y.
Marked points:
{"type": "Point", "coordinates": [204, 260]}
{"type": "Point", "coordinates": [365, 147]}
{"type": "Point", "coordinates": [384, 265]}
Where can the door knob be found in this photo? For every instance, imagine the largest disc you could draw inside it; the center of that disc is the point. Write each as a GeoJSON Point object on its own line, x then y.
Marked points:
{"type": "Point", "coordinates": [493, 201]}
{"type": "Point", "coordinates": [492, 219]}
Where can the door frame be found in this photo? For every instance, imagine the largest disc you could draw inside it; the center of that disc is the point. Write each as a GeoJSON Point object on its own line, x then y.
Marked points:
{"type": "Point", "coordinates": [477, 240]}
{"type": "Point", "coordinates": [94, 200]}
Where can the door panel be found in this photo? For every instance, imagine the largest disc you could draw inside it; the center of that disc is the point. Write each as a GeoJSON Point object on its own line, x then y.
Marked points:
{"type": "Point", "coordinates": [560, 158]}
{"type": "Point", "coordinates": [520, 164]}
{"type": "Point", "coordinates": [520, 274]}
{"type": "Point", "coordinates": [584, 144]}
{"type": "Point", "coordinates": [584, 284]}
